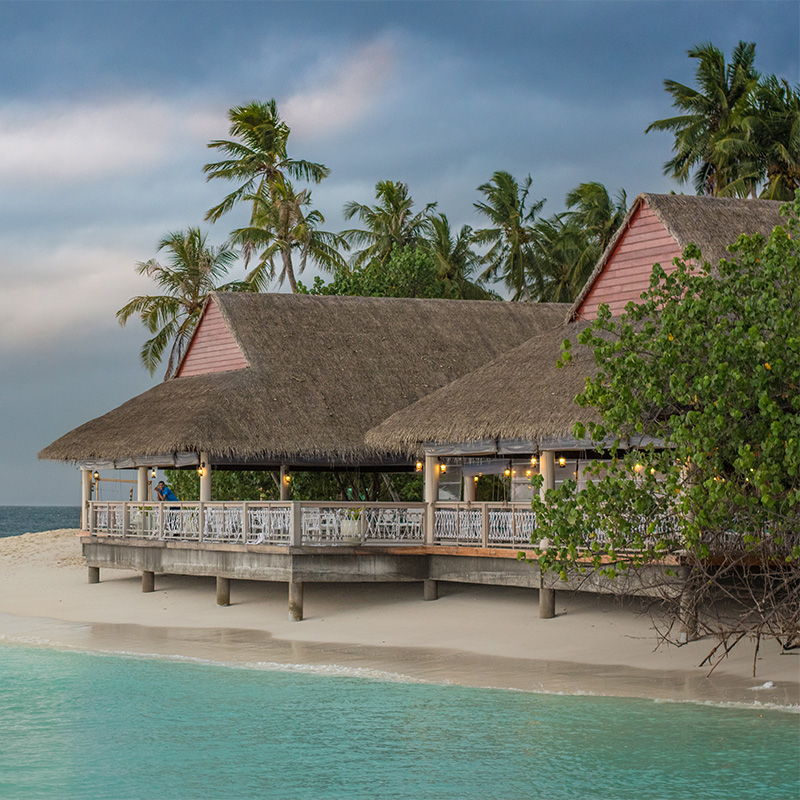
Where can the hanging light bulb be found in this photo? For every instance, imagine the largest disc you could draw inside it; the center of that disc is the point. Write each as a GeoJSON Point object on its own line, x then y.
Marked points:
{"type": "Point", "coordinates": [201, 470]}
{"type": "Point", "coordinates": [443, 468]}
{"type": "Point", "coordinates": [475, 478]}
{"type": "Point", "coordinates": [96, 475]}
{"type": "Point", "coordinates": [153, 473]}
{"type": "Point", "coordinates": [507, 472]}
{"type": "Point", "coordinates": [287, 478]}
{"type": "Point", "coordinates": [562, 462]}
{"type": "Point", "coordinates": [528, 473]}
{"type": "Point", "coordinates": [418, 466]}
{"type": "Point", "coordinates": [534, 461]}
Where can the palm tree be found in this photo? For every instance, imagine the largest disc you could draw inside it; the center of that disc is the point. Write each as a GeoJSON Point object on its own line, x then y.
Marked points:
{"type": "Point", "coordinates": [283, 223]}
{"type": "Point", "coordinates": [564, 255]}
{"type": "Point", "coordinates": [776, 132]}
{"type": "Point", "coordinates": [510, 256]}
{"type": "Point", "coordinates": [192, 272]}
{"type": "Point", "coordinates": [455, 260]}
{"type": "Point", "coordinates": [257, 155]}
{"type": "Point", "coordinates": [713, 111]}
{"type": "Point", "coordinates": [388, 224]}
{"type": "Point", "coordinates": [593, 210]}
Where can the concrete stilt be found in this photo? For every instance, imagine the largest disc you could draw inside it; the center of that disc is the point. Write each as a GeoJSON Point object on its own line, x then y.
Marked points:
{"type": "Point", "coordinates": [295, 601]}
{"type": "Point", "coordinates": [94, 574]}
{"type": "Point", "coordinates": [148, 581]}
{"type": "Point", "coordinates": [430, 590]}
{"type": "Point", "coordinates": [547, 601]}
{"type": "Point", "coordinates": [223, 591]}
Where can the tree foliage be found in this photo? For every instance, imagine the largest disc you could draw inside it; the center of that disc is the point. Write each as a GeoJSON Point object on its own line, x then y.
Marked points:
{"type": "Point", "coordinates": [257, 156]}
{"type": "Point", "coordinates": [410, 272]}
{"type": "Point", "coordinates": [700, 382]}
{"type": "Point", "coordinates": [284, 224]}
{"type": "Point", "coordinates": [739, 131]}
{"type": "Point", "coordinates": [510, 235]}
{"type": "Point", "coordinates": [389, 225]}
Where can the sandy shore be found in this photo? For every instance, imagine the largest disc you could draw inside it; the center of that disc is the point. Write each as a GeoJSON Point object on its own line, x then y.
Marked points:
{"type": "Point", "coordinates": [473, 635]}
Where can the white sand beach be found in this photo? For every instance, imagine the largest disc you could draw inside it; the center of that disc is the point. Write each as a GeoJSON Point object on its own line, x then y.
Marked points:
{"type": "Point", "coordinates": [473, 635]}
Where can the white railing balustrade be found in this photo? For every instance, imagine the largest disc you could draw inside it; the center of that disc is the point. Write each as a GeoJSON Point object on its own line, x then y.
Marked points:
{"type": "Point", "coordinates": [484, 524]}
{"type": "Point", "coordinates": [260, 523]}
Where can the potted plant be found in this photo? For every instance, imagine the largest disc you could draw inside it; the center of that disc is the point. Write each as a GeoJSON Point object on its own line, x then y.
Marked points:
{"type": "Point", "coordinates": [351, 527]}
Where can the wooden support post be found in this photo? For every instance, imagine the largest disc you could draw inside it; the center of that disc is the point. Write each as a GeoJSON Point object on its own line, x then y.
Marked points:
{"type": "Point", "coordinates": [547, 465]}
{"type": "Point", "coordinates": [469, 489]}
{"type": "Point", "coordinates": [547, 601]}
{"type": "Point", "coordinates": [141, 485]}
{"type": "Point", "coordinates": [223, 591]}
{"type": "Point", "coordinates": [86, 496]}
{"type": "Point", "coordinates": [430, 590]}
{"type": "Point", "coordinates": [296, 522]}
{"type": "Point", "coordinates": [295, 601]}
{"type": "Point", "coordinates": [94, 575]}
{"type": "Point", "coordinates": [148, 581]}
{"type": "Point", "coordinates": [484, 524]}
{"type": "Point", "coordinates": [286, 488]}
{"type": "Point", "coordinates": [431, 496]}
{"type": "Point", "coordinates": [205, 479]}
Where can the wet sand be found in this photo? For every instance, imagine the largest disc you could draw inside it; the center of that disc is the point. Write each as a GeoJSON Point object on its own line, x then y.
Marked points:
{"type": "Point", "coordinates": [472, 635]}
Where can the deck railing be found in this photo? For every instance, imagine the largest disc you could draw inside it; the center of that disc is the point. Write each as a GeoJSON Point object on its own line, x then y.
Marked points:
{"type": "Point", "coordinates": [316, 523]}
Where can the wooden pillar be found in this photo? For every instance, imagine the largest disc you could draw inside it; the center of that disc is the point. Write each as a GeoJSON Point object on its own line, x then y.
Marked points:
{"type": "Point", "coordinates": [295, 601]}
{"type": "Point", "coordinates": [430, 590]}
{"type": "Point", "coordinates": [547, 600]}
{"type": "Point", "coordinates": [469, 489]}
{"type": "Point", "coordinates": [205, 479]}
{"type": "Point", "coordinates": [94, 575]}
{"type": "Point", "coordinates": [286, 488]}
{"type": "Point", "coordinates": [223, 591]}
{"type": "Point", "coordinates": [148, 581]}
{"type": "Point", "coordinates": [547, 465]}
{"type": "Point", "coordinates": [431, 494]}
{"type": "Point", "coordinates": [86, 496]}
{"type": "Point", "coordinates": [141, 485]}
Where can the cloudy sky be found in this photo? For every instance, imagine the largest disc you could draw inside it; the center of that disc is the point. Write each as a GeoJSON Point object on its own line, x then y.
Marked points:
{"type": "Point", "coordinates": [106, 109]}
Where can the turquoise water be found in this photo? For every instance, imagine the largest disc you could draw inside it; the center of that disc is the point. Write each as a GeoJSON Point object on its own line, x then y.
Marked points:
{"type": "Point", "coordinates": [15, 520]}
{"type": "Point", "coordinates": [78, 725]}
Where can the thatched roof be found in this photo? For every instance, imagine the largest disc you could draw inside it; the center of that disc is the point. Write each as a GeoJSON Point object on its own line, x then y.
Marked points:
{"type": "Point", "coordinates": [521, 395]}
{"type": "Point", "coordinates": [711, 223]}
{"type": "Point", "coordinates": [323, 370]}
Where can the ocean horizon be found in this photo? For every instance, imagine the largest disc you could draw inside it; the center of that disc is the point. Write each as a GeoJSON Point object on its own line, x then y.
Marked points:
{"type": "Point", "coordinates": [16, 520]}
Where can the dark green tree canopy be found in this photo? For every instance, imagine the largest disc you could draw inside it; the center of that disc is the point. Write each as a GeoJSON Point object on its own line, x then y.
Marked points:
{"type": "Point", "coordinates": [701, 379]}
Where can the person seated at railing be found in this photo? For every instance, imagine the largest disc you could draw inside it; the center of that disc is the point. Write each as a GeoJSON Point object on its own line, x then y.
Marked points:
{"type": "Point", "coordinates": [163, 492]}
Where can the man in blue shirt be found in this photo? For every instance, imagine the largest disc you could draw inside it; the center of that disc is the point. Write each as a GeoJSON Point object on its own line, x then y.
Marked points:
{"type": "Point", "coordinates": [164, 492]}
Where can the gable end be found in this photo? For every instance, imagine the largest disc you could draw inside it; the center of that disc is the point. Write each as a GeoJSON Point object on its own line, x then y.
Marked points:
{"type": "Point", "coordinates": [213, 347]}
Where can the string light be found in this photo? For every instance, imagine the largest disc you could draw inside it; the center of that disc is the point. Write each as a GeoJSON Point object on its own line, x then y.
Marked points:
{"type": "Point", "coordinates": [418, 466]}
{"type": "Point", "coordinates": [153, 473]}
{"type": "Point", "coordinates": [96, 475]}
{"type": "Point", "coordinates": [562, 462]}
{"type": "Point", "coordinates": [287, 478]}
{"type": "Point", "coordinates": [443, 468]}
{"type": "Point", "coordinates": [528, 473]}
{"type": "Point", "coordinates": [201, 470]}
{"type": "Point", "coordinates": [507, 472]}
{"type": "Point", "coordinates": [534, 461]}
{"type": "Point", "coordinates": [475, 478]}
